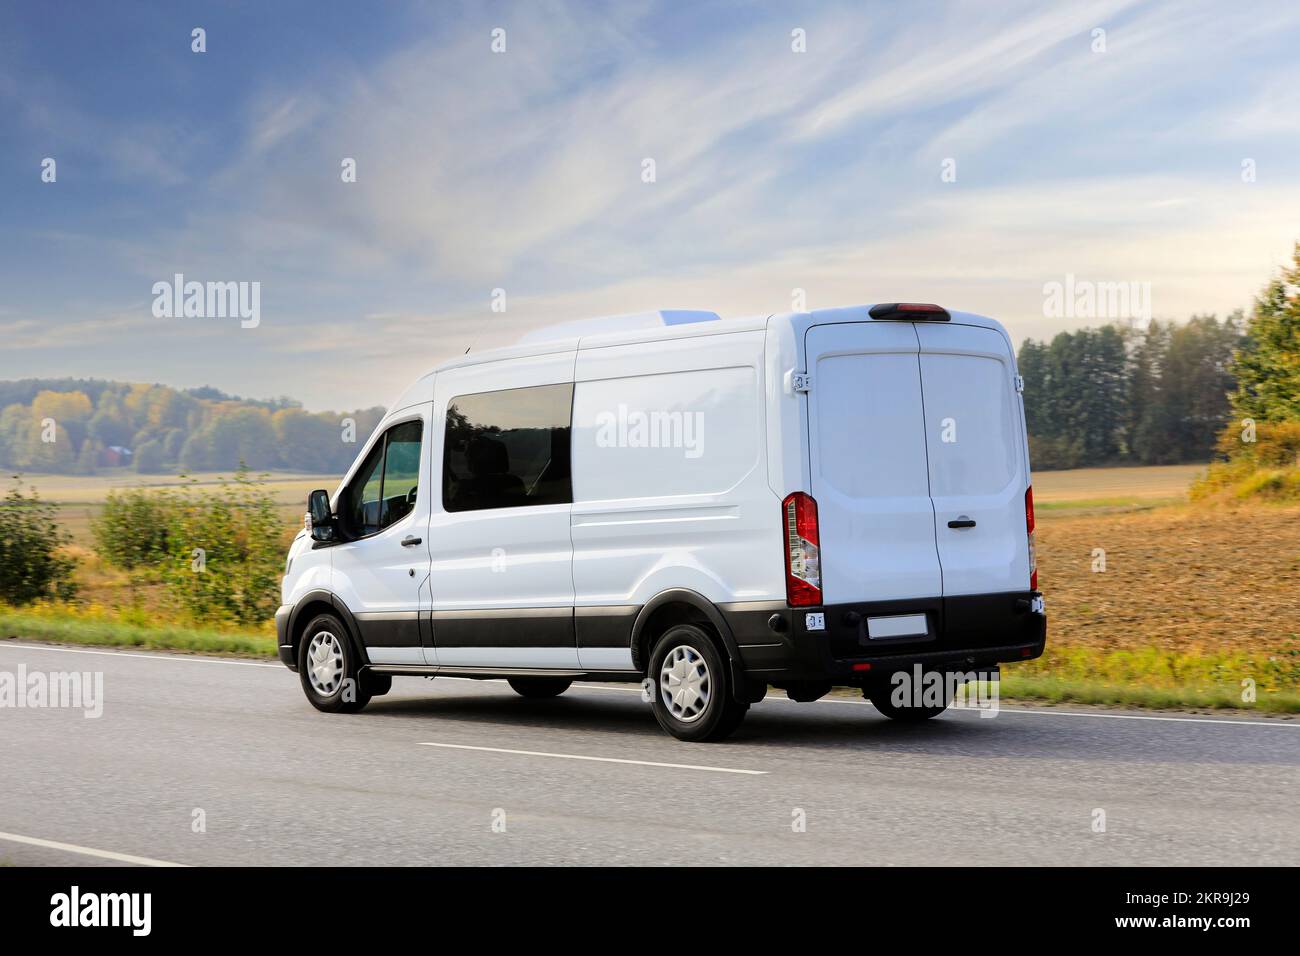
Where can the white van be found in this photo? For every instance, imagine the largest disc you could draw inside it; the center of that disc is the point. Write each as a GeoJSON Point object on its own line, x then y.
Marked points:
{"type": "Point", "coordinates": [712, 507]}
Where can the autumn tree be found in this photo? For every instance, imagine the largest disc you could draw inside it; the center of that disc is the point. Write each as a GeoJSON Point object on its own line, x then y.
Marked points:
{"type": "Point", "coordinates": [1267, 366]}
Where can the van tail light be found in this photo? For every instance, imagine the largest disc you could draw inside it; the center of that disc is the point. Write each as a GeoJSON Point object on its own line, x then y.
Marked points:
{"type": "Point", "coordinates": [803, 563]}
{"type": "Point", "coordinates": [1029, 526]}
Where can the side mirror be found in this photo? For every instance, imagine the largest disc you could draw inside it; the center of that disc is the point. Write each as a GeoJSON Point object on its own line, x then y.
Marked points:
{"type": "Point", "coordinates": [320, 520]}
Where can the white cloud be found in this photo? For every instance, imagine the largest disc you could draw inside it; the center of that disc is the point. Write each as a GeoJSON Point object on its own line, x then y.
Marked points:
{"type": "Point", "coordinates": [776, 170]}
{"type": "Point", "coordinates": [974, 49]}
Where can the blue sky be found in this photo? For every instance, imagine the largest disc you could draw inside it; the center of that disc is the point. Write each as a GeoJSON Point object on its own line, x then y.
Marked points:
{"type": "Point", "coordinates": [522, 170]}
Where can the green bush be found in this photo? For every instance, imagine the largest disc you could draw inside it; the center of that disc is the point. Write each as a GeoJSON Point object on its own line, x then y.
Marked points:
{"type": "Point", "coordinates": [1267, 467]}
{"type": "Point", "coordinates": [32, 565]}
{"type": "Point", "coordinates": [219, 553]}
{"type": "Point", "coordinates": [227, 553]}
{"type": "Point", "coordinates": [132, 532]}
{"type": "Point", "coordinates": [1274, 484]}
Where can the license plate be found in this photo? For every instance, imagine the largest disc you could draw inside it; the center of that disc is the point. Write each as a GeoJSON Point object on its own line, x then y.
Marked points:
{"type": "Point", "coordinates": [898, 625]}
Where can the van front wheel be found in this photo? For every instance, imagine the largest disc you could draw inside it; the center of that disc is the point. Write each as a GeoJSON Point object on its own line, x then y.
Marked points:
{"type": "Point", "coordinates": [329, 668]}
{"type": "Point", "coordinates": [693, 698]}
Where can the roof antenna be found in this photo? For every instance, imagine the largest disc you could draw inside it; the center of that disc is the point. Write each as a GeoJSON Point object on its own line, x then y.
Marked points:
{"type": "Point", "coordinates": [467, 350]}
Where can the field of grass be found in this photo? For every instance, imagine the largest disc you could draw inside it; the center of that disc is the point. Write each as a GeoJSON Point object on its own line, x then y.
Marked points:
{"type": "Point", "coordinates": [93, 489]}
{"type": "Point", "coordinates": [1103, 490]}
{"type": "Point", "coordinates": [1174, 579]}
{"type": "Point", "coordinates": [1151, 601]}
{"type": "Point", "coordinates": [81, 497]}
{"type": "Point", "coordinates": [1156, 482]}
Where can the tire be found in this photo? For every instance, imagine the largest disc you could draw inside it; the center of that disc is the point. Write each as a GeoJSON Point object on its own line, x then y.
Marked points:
{"type": "Point", "coordinates": [692, 697]}
{"type": "Point", "coordinates": [328, 667]}
{"type": "Point", "coordinates": [881, 693]}
{"type": "Point", "coordinates": [538, 688]}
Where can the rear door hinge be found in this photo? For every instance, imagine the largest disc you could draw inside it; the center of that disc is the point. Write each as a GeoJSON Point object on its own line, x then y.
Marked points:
{"type": "Point", "coordinates": [1020, 383]}
{"type": "Point", "coordinates": [799, 381]}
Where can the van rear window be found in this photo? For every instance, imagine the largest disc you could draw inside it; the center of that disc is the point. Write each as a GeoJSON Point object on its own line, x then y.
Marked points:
{"type": "Point", "coordinates": [973, 432]}
{"type": "Point", "coordinates": [508, 449]}
{"type": "Point", "coordinates": [868, 424]}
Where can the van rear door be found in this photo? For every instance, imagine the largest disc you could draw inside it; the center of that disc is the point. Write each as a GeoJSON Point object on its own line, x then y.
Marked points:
{"type": "Point", "coordinates": [975, 448]}
{"type": "Point", "coordinates": [867, 449]}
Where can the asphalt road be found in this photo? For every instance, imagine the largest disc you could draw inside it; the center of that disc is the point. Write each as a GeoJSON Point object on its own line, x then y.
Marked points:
{"type": "Point", "coordinates": [279, 783]}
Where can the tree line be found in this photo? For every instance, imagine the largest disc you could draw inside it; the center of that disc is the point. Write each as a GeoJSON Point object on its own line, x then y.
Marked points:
{"type": "Point", "coordinates": [1227, 391]}
{"type": "Point", "coordinates": [82, 426]}
{"type": "Point", "coordinates": [1154, 396]}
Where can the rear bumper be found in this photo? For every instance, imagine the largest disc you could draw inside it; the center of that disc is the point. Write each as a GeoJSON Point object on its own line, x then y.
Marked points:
{"type": "Point", "coordinates": [962, 633]}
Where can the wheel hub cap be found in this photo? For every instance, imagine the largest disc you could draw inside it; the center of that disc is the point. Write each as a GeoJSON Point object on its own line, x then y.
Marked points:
{"type": "Point", "coordinates": [684, 684]}
{"type": "Point", "coordinates": [325, 663]}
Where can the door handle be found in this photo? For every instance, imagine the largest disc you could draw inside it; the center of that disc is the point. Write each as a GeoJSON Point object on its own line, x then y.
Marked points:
{"type": "Point", "coordinates": [410, 540]}
{"type": "Point", "coordinates": [962, 522]}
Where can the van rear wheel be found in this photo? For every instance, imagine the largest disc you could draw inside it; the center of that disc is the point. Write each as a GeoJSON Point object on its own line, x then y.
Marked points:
{"type": "Point", "coordinates": [899, 703]}
{"type": "Point", "coordinates": [693, 697]}
{"type": "Point", "coordinates": [539, 687]}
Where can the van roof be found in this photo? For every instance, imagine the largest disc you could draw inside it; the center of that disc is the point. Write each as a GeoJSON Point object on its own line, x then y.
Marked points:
{"type": "Point", "coordinates": [669, 324]}
{"type": "Point", "coordinates": [677, 324]}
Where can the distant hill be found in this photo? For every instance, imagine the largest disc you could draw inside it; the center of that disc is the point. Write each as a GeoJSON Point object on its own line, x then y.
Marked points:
{"type": "Point", "coordinates": [76, 426]}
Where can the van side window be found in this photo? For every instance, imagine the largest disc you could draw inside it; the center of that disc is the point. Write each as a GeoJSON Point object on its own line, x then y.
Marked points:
{"type": "Point", "coordinates": [384, 488]}
{"type": "Point", "coordinates": [508, 449]}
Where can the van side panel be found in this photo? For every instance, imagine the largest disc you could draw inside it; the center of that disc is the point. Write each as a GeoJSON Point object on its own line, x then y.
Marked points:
{"type": "Point", "coordinates": [669, 483]}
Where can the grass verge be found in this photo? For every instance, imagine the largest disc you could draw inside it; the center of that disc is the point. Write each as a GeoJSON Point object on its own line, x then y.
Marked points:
{"type": "Point", "coordinates": [42, 626]}
{"type": "Point", "coordinates": [1064, 690]}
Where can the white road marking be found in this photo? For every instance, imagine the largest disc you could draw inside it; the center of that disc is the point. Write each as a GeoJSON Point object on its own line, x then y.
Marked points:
{"type": "Point", "coordinates": [155, 656]}
{"type": "Point", "coordinates": [640, 763]}
{"type": "Point", "coordinates": [1036, 712]}
{"type": "Point", "coordinates": [86, 851]}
